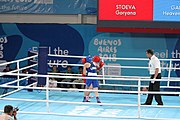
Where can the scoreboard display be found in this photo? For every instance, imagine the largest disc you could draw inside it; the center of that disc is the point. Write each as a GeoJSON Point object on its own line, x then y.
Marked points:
{"type": "Point", "coordinates": [144, 15]}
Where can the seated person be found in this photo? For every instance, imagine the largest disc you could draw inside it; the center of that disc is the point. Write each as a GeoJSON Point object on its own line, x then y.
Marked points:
{"type": "Point", "coordinates": [79, 80]}
{"type": "Point", "coordinates": [144, 89]}
{"type": "Point", "coordinates": [7, 69]}
{"type": "Point", "coordinates": [32, 80]}
{"type": "Point", "coordinates": [53, 81]}
{"type": "Point", "coordinates": [25, 71]}
{"type": "Point", "coordinates": [9, 113]}
{"type": "Point", "coordinates": [69, 71]}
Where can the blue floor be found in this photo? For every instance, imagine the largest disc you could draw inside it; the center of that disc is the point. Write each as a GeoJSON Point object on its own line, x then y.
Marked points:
{"type": "Point", "coordinates": [89, 109]}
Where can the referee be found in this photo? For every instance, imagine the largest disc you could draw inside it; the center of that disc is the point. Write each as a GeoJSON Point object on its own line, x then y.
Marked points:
{"type": "Point", "coordinates": [154, 84]}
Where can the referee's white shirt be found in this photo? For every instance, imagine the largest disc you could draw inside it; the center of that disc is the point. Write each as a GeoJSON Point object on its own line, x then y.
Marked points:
{"type": "Point", "coordinates": [153, 64]}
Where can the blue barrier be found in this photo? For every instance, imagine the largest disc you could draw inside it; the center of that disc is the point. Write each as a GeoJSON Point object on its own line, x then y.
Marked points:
{"type": "Point", "coordinates": [4, 80]}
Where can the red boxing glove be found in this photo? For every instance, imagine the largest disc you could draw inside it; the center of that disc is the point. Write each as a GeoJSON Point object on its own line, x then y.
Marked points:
{"type": "Point", "coordinates": [96, 59]}
{"type": "Point", "coordinates": [101, 64]}
{"type": "Point", "coordinates": [83, 60]}
{"type": "Point", "coordinates": [84, 79]}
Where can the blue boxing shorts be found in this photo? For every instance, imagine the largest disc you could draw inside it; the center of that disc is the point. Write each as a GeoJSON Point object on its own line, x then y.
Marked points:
{"type": "Point", "coordinates": [94, 82]}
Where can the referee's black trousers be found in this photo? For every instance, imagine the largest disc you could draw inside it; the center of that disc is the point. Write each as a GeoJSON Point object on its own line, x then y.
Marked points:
{"type": "Point", "coordinates": [155, 88]}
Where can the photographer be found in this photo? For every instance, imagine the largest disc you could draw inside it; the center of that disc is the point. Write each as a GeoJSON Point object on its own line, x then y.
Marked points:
{"type": "Point", "coordinates": [9, 113]}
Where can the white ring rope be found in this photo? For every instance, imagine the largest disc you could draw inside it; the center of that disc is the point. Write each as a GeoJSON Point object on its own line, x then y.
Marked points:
{"type": "Point", "coordinates": [52, 73]}
{"type": "Point", "coordinates": [68, 102]}
{"type": "Point", "coordinates": [96, 78]}
{"type": "Point", "coordinates": [84, 103]}
{"type": "Point", "coordinates": [115, 76]}
{"type": "Point", "coordinates": [100, 77]}
{"type": "Point", "coordinates": [110, 66]}
{"type": "Point", "coordinates": [23, 68]}
{"type": "Point", "coordinates": [114, 85]}
{"type": "Point", "coordinates": [20, 60]}
{"type": "Point", "coordinates": [88, 90]}
{"type": "Point", "coordinates": [35, 61]}
{"type": "Point", "coordinates": [141, 59]}
{"type": "Point", "coordinates": [33, 52]}
{"type": "Point", "coordinates": [18, 80]}
{"type": "Point", "coordinates": [15, 90]}
{"type": "Point", "coordinates": [34, 70]}
{"type": "Point", "coordinates": [73, 115]}
{"type": "Point", "coordinates": [95, 116]}
{"type": "Point", "coordinates": [31, 66]}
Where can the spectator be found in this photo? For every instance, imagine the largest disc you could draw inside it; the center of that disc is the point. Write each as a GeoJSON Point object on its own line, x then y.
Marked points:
{"type": "Point", "coordinates": [69, 71]}
{"type": "Point", "coordinates": [53, 81]}
{"type": "Point", "coordinates": [25, 71]}
{"type": "Point", "coordinates": [32, 80]}
{"type": "Point", "coordinates": [7, 69]}
{"type": "Point", "coordinates": [54, 69]}
{"type": "Point", "coordinates": [79, 80]}
{"type": "Point", "coordinates": [9, 113]}
{"type": "Point", "coordinates": [144, 89]}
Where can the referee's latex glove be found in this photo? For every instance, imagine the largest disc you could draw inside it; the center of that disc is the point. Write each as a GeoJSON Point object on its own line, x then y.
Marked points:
{"type": "Point", "coordinates": [153, 81]}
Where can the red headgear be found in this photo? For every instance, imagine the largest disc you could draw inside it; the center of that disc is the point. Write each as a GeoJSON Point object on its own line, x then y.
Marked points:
{"type": "Point", "coordinates": [96, 59]}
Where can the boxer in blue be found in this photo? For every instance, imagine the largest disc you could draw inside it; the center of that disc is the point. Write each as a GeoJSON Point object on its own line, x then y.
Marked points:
{"type": "Point", "coordinates": [90, 70]}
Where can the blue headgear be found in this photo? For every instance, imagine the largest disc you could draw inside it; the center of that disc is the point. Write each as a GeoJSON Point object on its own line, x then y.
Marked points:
{"type": "Point", "coordinates": [88, 58]}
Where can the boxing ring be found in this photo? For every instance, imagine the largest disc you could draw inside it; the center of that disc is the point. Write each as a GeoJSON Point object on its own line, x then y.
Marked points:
{"type": "Point", "coordinates": [51, 103]}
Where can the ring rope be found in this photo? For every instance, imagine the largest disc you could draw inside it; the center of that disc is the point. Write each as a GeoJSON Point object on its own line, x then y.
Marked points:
{"type": "Point", "coordinates": [73, 77]}
{"type": "Point", "coordinates": [141, 59]}
{"type": "Point", "coordinates": [118, 76]}
{"type": "Point", "coordinates": [110, 91]}
{"type": "Point", "coordinates": [70, 74]}
{"type": "Point", "coordinates": [84, 103]}
{"type": "Point", "coordinates": [113, 85]}
{"type": "Point", "coordinates": [24, 68]}
{"type": "Point", "coordinates": [110, 66]}
{"type": "Point", "coordinates": [15, 90]}
{"type": "Point", "coordinates": [18, 80]}
{"type": "Point", "coordinates": [95, 116]}
{"type": "Point", "coordinates": [88, 90]}
{"type": "Point", "coordinates": [15, 61]}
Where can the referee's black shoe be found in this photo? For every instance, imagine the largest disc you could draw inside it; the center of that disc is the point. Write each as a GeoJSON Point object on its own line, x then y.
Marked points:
{"type": "Point", "coordinates": [145, 104]}
{"type": "Point", "coordinates": [160, 104]}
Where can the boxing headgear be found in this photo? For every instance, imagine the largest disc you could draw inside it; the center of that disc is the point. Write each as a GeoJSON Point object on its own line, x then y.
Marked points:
{"type": "Point", "coordinates": [88, 59]}
{"type": "Point", "coordinates": [96, 59]}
